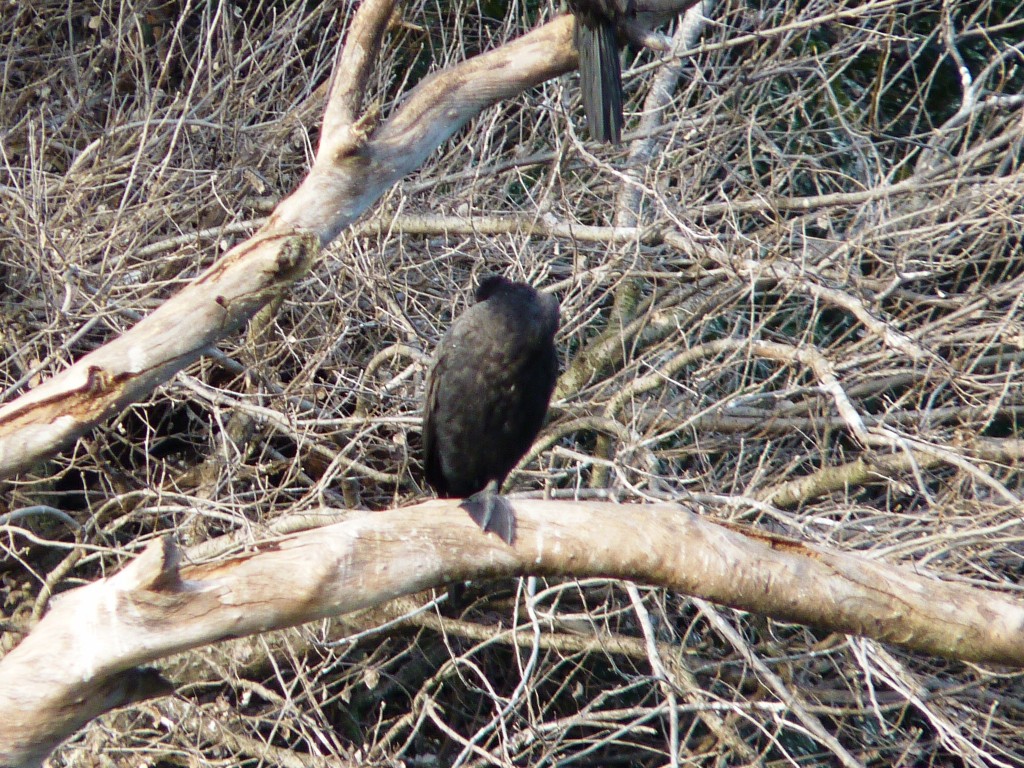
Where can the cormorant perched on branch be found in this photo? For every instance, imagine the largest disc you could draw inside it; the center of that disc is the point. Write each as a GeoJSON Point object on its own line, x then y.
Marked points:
{"type": "Point", "coordinates": [598, 25]}
{"type": "Point", "coordinates": [487, 394]}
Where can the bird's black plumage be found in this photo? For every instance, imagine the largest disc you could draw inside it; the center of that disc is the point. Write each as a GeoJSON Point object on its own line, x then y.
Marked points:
{"type": "Point", "coordinates": [596, 39]}
{"type": "Point", "coordinates": [487, 394]}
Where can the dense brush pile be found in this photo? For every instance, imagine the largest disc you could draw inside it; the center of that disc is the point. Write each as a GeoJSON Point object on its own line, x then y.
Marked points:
{"type": "Point", "coordinates": [828, 194]}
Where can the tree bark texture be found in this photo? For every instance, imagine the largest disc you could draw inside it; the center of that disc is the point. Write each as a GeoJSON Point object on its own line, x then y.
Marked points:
{"type": "Point", "coordinates": [84, 657]}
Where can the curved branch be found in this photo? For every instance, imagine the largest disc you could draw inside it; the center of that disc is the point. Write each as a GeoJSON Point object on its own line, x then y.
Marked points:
{"type": "Point", "coordinates": [355, 165]}
{"type": "Point", "coordinates": [79, 660]}
{"type": "Point", "coordinates": [345, 180]}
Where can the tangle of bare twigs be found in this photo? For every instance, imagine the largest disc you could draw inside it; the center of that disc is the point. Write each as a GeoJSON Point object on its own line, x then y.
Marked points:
{"type": "Point", "coordinates": [794, 294]}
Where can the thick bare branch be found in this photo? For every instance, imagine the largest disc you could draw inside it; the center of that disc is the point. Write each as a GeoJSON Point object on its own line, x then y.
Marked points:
{"type": "Point", "coordinates": [355, 165]}
{"type": "Point", "coordinates": [352, 69]}
{"type": "Point", "coordinates": [128, 368]}
{"type": "Point", "coordinates": [60, 676]}
{"type": "Point", "coordinates": [341, 186]}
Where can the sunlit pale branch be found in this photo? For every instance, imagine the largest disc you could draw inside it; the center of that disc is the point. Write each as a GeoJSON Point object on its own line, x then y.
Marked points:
{"type": "Point", "coordinates": [79, 660]}
{"type": "Point", "coordinates": [357, 162]}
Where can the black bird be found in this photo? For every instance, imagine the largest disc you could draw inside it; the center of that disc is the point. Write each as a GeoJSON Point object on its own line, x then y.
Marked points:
{"type": "Point", "coordinates": [487, 394]}
{"type": "Point", "coordinates": [598, 25]}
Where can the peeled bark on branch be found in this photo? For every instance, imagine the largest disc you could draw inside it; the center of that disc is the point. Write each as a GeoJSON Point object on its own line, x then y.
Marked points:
{"type": "Point", "coordinates": [83, 657]}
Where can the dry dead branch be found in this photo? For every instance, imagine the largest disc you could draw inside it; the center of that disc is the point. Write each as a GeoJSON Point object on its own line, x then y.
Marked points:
{"type": "Point", "coordinates": [356, 163]}
{"type": "Point", "coordinates": [81, 659]}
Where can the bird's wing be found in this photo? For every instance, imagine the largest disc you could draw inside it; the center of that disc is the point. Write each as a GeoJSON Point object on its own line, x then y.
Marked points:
{"type": "Point", "coordinates": [431, 459]}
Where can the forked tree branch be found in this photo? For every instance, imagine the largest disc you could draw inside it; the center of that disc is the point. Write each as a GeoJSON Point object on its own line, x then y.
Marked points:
{"type": "Point", "coordinates": [83, 657]}
{"type": "Point", "coordinates": [356, 163]}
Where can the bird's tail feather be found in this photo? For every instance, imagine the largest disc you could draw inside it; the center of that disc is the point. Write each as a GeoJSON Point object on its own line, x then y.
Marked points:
{"type": "Point", "coordinates": [600, 79]}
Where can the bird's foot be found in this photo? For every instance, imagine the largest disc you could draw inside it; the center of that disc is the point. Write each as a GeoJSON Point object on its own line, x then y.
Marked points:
{"type": "Point", "coordinates": [641, 37]}
{"type": "Point", "coordinates": [493, 513]}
